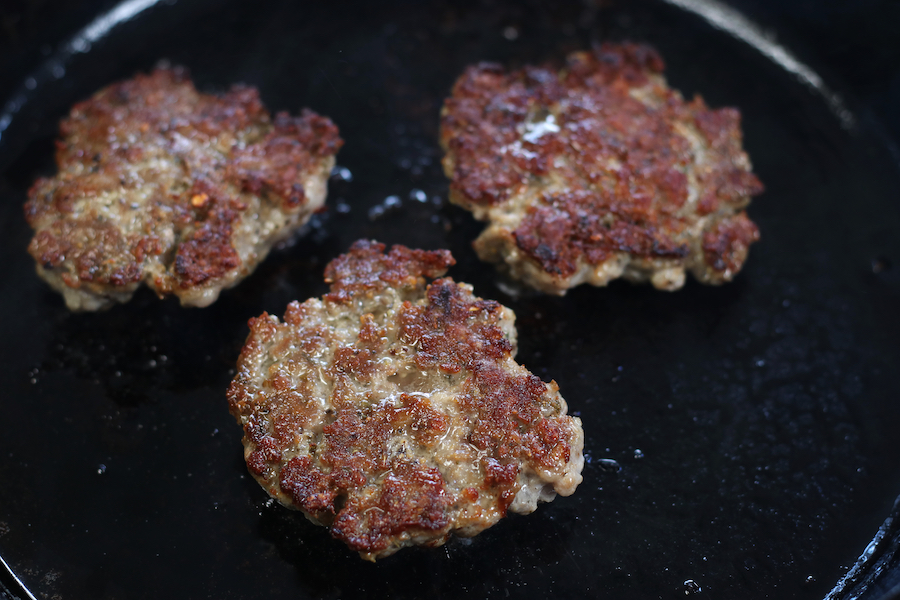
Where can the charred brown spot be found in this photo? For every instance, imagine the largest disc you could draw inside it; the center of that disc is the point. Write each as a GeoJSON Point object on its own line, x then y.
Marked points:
{"type": "Point", "coordinates": [411, 498]}
{"type": "Point", "coordinates": [505, 410]}
{"type": "Point", "coordinates": [308, 486]}
{"type": "Point", "coordinates": [725, 245]}
{"type": "Point", "coordinates": [276, 164]}
{"type": "Point", "coordinates": [451, 330]}
{"type": "Point", "coordinates": [208, 254]}
{"type": "Point", "coordinates": [367, 268]}
{"type": "Point", "coordinates": [577, 225]}
{"type": "Point", "coordinates": [293, 411]}
{"type": "Point", "coordinates": [499, 475]}
{"type": "Point", "coordinates": [353, 362]}
{"type": "Point", "coordinates": [95, 253]}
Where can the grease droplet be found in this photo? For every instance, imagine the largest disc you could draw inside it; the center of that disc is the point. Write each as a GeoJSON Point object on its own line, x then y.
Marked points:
{"type": "Point", "coordinates": [510, 33]}
{"type": "Point", "coordinates": [342, 173]}
{"type": "Point", "coordinates": [376, 212]}
{"type": "Point", "coordinates": [609, 465]}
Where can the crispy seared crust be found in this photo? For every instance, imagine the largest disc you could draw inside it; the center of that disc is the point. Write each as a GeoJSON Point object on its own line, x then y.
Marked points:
{"type": "Point", "coordinates": [598, 171]}
{"type": "Point", "coordinates": [393, 412]}
{"type": "Point", "coordinates": [182, 191]}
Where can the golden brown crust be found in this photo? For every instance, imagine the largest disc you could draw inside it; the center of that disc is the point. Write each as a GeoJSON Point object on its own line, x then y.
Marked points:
{"type": "Point", "coordinates": [596, 171]}
{"type": "Point", "coordinates": [366, 268]}
{"type": "Point", "coordinates": [183, 191]}
{"type": "Point", "coordinates": [393, 411]}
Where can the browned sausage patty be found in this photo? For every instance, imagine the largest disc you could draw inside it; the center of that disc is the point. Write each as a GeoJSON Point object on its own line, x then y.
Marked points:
{"type": "Point", "coordinates": [182, 191]}
{"type": "Point", "coordinates": [598, 171]}
{"type": "Point", "coordinates": [393, 412]}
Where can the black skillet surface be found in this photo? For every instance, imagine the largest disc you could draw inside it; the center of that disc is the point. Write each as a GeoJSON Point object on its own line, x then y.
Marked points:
{"type": "Point", "coordinates": [740, 437]}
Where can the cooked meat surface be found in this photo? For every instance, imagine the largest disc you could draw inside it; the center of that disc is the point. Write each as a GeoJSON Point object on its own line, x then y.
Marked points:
{"type": "Point", "coordinates": [182, 191]}
{"type": "Point", "coordinates": [392, 411]}
{"type": "Point", "coordinates": [598, 171]}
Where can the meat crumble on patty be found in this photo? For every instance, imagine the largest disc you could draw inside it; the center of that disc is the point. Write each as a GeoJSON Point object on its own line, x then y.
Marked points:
{"type": "Point", "coordinates": [183, 191]}
{"type": "Point", "coordinates": [598, 171]}
{"type": "Point", "coordinates": [392, 410]}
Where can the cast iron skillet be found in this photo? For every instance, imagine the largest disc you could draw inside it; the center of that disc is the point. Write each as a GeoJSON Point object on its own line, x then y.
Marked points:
{"type": "Point", "coordinates": [740, 440]}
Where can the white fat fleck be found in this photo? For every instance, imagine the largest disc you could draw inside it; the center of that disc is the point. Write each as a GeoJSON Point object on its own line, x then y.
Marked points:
{"type": "Point", "coordinates": [394, 399]}
{"type": "Point", "coordinates": [534, 131]}
{"type": "Point", "coordinates": [180, 144]}
{"type": "Point", "coordinates": [516, 149]}
{"type": "Point", "coordinates": [391, 400]}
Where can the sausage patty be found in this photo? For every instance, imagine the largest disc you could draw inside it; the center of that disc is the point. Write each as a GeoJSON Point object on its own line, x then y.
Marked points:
{"type": "Point", "coordinates": [182, 191]}
{"type": "Point", "coordinates": [598, 171]}
{"type": "Point", "coordinates": [393, 412]}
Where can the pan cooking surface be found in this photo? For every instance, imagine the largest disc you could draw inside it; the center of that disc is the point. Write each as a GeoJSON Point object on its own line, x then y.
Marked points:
{"type": "Point", "coordinates": [739, 440]}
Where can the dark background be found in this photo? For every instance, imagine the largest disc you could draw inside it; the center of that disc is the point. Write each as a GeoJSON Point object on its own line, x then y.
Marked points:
{"type": "Point", "coordinates": [852, 45]}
